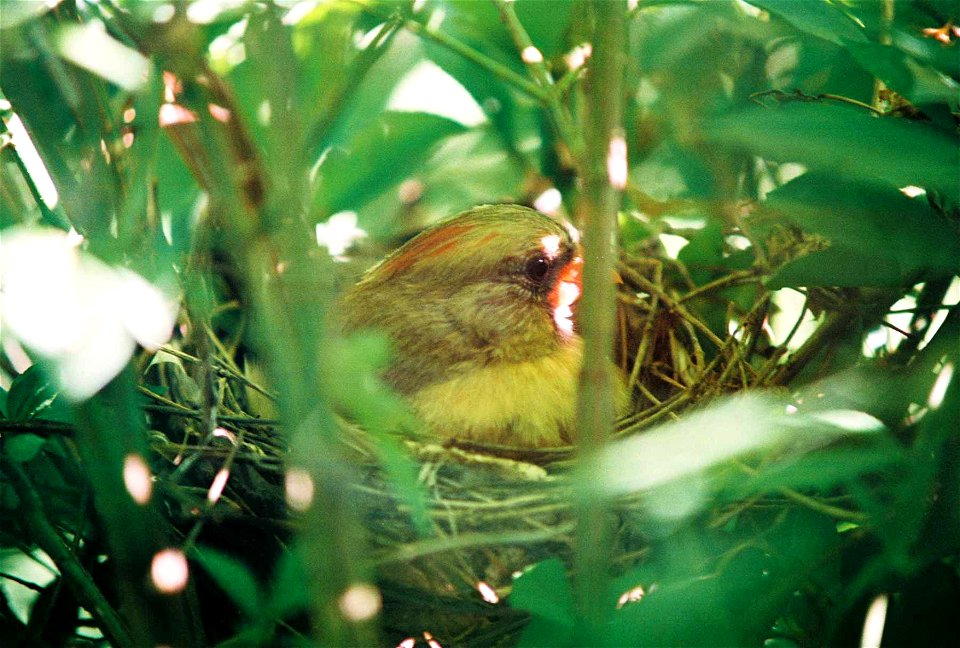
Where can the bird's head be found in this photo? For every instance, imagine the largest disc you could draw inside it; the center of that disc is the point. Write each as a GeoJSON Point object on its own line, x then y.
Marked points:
{"type": "Point", "coordinates": [496, 283]}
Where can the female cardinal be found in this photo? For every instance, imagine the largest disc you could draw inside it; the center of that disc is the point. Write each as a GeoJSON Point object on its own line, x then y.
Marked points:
{"type": "Point", "coordinates": [478, 310]}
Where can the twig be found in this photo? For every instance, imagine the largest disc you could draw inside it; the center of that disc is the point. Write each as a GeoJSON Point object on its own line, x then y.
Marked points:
{"type": "Point", "coordinates": [732, 279]}
{"type": "Point", "coordinates": [431, 546]}
{"type": "Point", "coordinates": [646, 337]}
{"type": "Point", "coordinates": [807, 501]}
{"type": "Point", "coordinates": [645, 284]}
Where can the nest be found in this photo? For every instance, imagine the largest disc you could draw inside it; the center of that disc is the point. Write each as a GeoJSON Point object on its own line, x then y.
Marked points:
{"type": "Point", "coordinates": [492, 511]}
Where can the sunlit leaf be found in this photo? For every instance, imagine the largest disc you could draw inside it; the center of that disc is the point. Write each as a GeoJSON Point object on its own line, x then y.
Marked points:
{"type": "Point", "coordinates": [878, 236]}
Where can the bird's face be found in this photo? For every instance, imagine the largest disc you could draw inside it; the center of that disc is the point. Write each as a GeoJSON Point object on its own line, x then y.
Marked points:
{"type": "Point", "coordinates": [485, 296]}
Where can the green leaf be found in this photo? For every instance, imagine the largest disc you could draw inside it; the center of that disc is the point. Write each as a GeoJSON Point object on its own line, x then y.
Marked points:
{"type": "Point", "coordinates": [917, 82]}
{"type": "Point", "coordinates": [703, 255]}
{"type": "Point", "coordinates": [671, 171]}
{"type": "Point", "coordinates": [544, 591]}
{"type": "Point", "coordinates": [846, 142]}
{"type": "Point", "coordinates": [289, 589]}
{"type": "Point", "coordinates": [381, 156]}
{"type": "Point", "coordinates": [30, 394]}
{"type": "Point", "coordinates": [826, 469]}
{"type": "Point", "coordinates": [546, 23]}
{"type": "Point", "coordinates": [819, 18]}
{"type": "Point", "coordinates": [233, 577]}
{"type": "Point", "coordinates": [837, 266]}
{"type": "Point", "coordinates": [878, 236]}
{"type": "Point", "coordinates": [23, 447]}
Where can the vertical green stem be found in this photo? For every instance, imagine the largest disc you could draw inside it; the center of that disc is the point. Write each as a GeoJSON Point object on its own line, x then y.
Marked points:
{"type": "Point", "coordinates": [886, 18]}
{"type": "Point", "coordinates": [533, 58]}
{"type": "Point", "coordinates": [605, 161]}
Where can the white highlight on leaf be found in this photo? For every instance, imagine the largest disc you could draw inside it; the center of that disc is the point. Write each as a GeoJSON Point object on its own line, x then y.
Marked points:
{"type": "Point", "coordinates": [912, 191]}
{"type": "Point", "coordinates": [339, 233]}
{"type": "Point", "coordinates": [488, 593]}
{"type": "Point", "coordinates": [531, 54]}
{"type": "Point", "coordinates": [204, 12]}
{"type": "Point", "coordinates": [90, 46]}
{"type": "Point", "coordinates": [163, 13]}
{"type": "Point", "coordinates": [428, 88]}
{"type": "Point", "coordinates": [617, 162]}
{"type": "Point", "coordinates": [28, 154]}
{"type": "Point", "coordinates": [169, 571]}
{"type": "Point", "coordinates": [631, 596]}
{"type": "Point", "coordinates": [137, 478]}
{"type": "Point", "coordinates": [84, 316]}
{"type": "Point", "coordinates": [939, 390]}
{"type": "Point", "coordinates": [298, 485]}
{"type": "Point", "coordinates": [219, 483]}
{"type": "Point", "coordinates": [579, 55]}
{"type": "Point", "coordinates": [549, 201]}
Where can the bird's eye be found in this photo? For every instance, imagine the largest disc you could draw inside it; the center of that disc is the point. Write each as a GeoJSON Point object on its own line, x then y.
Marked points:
{"type": "Point", "coordinates": [537, 268]}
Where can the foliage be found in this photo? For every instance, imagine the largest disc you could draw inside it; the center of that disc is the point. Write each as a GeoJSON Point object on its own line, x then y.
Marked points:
{"type": "Point", "coordinates": [791, 148]}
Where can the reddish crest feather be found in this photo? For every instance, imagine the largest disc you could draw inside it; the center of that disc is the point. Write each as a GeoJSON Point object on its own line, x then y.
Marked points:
{"type": "Point", "coordinates": [430, 245]}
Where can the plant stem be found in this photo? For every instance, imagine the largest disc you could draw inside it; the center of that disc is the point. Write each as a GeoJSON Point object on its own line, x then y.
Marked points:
{"type": "Point", "coordinates": [533, 58]}
{"type": "Point", "coordinates": [597, 208]}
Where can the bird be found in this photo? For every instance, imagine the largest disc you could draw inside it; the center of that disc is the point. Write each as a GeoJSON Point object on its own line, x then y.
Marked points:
{"type": "Point", "coordinates": [479, 312]}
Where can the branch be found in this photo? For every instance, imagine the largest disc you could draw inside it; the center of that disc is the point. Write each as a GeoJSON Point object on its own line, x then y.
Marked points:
{"type": "Point", "coordinates": [604, 178]}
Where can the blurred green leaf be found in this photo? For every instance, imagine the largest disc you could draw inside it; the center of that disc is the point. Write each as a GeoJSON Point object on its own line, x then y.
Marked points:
{"type": "Point", "coordinates": [544, 591]}
{"type": "Point", "coordinates": [546, 23]}
{"type": "Point", "coordinates": [691, 603]}
{"type": "Point", "coordinates": [825, 469]}
{"type": "Point", "coordinates": [917, 82]}
{"type": "Point", "coordinates": [23, 447]}
{"type": "Point", "coordinates": [845, 141]}
{"type": "Point", "coordinates": [30, 394]}
{"type": "Point", "coordinates": [289, 590]}
{"type": "Point", "coordinates": [703, 255]}
{"type": "Point", "coordinates": [671, 171]}
{"type": "Point", "coordinates": [233, 577]}
{"type": "Point", "coordinates": [820, 18]}
{"type": "Point", "coordinates": [387, 152]}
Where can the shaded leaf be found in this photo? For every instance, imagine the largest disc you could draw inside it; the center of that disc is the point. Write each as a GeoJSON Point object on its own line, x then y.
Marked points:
{"type": "Point", "coordinates": [845, 141]}
{"type": "Point", "coordinates": [232, 576]}
{"type": "Point", "coordinates": [819, 18]}
{"type": "Point", "coordinates": [30, 394]}
{"type": "Point", "coordinates": [878, 236]}
{"type": "Point", "coordinates": [23, 447]}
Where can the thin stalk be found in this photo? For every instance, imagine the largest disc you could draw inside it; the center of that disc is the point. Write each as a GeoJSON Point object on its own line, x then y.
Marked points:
{"type": "Point", "coordinates": [604, 158]}
{"type": "Point", "coordinates": [533, 58]}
